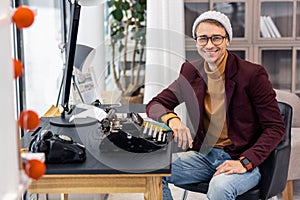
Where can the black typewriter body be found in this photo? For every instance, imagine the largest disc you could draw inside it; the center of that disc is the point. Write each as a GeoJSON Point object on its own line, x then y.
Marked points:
{"type": "Point", "coordinates": [130, 132]}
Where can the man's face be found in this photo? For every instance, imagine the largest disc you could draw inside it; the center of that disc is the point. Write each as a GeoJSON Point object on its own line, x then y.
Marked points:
{"type": "Point", "coordinates": [212, 53]}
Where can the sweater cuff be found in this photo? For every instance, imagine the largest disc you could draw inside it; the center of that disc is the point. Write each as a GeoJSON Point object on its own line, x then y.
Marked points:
{"type": "Point", "coordinates": [167, 117]}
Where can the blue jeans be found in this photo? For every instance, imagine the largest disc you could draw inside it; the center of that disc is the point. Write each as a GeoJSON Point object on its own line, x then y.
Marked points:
{"type": "Point", "coordinates": [192, 166]}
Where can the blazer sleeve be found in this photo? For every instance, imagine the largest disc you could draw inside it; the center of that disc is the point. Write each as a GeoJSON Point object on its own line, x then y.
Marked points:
{"type": "Point", "coordinates": [266, 106]}
{"type": "Point", "coordinates": [166, 101]}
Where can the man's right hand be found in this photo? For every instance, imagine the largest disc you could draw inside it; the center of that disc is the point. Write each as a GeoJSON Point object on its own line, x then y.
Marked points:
{"type": "Point", "coordinates": [182, 133]}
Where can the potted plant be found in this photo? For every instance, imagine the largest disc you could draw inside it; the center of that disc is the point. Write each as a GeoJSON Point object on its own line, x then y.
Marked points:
{"type": "Point", "coordinates": [127, 22]}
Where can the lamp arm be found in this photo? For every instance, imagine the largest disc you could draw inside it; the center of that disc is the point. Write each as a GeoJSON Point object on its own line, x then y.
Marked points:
{"type": "Point", "coordinates": [71, 49]}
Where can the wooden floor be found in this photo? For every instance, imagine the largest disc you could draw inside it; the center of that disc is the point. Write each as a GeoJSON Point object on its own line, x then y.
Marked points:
{"type": "Point", "coordinates": [177, 193]}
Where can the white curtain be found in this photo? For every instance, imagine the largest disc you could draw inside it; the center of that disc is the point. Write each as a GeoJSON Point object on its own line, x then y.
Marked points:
{"type": "Point", "coordinates": [165, 44]}
{"type": "Point", "coordinates": [165, 50]}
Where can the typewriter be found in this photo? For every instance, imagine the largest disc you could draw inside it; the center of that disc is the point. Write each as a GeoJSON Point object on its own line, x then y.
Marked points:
{"type": "Point", "coordinates": [130, 132]}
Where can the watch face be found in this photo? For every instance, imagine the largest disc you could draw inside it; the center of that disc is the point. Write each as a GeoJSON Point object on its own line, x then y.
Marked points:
{"type": "Point", "coordinates": [245, 161]}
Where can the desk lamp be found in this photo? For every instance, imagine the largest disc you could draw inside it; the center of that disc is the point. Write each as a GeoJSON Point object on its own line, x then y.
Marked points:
{"type": "Point", "coordinates": [63, 120]}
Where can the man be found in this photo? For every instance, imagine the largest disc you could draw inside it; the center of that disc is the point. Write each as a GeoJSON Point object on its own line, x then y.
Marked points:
{"type": "Point", "coordinates": [234, 115]}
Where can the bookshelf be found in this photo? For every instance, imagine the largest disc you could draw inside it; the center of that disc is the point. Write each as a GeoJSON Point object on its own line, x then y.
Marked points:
{"type": "Point", "coordinates": [264, 31]}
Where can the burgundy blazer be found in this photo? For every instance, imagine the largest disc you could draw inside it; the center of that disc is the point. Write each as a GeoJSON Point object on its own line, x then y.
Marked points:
{"type": "Point", "coordinates": [253, 118]}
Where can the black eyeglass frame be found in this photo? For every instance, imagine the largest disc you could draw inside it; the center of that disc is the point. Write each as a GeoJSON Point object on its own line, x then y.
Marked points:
{"type": "Point", "coordinates": [211, 39]}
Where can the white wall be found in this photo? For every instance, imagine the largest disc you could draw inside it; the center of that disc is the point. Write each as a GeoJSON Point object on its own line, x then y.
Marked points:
{"type": "Point", "coordinates": [91, 33]}
{"type": "Point", "coordinates": [9, 168]}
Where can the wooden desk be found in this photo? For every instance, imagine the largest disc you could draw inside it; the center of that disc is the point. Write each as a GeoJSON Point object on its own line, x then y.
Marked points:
{"type": "Point", "coordinates": [149, 184]}
{"type": "Point", "coordinates": [102, 172]}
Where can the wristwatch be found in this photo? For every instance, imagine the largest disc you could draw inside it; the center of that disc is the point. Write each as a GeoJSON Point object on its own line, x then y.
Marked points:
{"type": "Point", "coordinates": [246, 163]}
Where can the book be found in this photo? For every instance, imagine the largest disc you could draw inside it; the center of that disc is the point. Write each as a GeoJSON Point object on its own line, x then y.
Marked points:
{"type": "Point", "coordinates": [263, 28]}
{"type": "Point", "coordinates": [273, 27]}
{"type": "Point", "coordinates": [268, 28]}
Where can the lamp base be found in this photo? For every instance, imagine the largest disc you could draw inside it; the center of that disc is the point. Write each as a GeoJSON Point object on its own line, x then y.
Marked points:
{"type": "Point", "coordinates": [77, 122]}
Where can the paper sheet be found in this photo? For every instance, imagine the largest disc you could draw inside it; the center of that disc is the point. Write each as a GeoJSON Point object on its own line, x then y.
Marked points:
{"type": "Point", "coordinates": [91, 111]}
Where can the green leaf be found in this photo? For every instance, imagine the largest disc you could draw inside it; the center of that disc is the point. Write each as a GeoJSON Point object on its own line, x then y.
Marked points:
{"type": "Point", "coordinates": [138, 34]}
{"type": "Point", "coordinates": [140, 17]}
{"type": "Point", "coordinates": [141, 32]}
{"type": "Point", "coordinates": [125, 6]}
{"type": "Point", "coordinates": [121, 47]}
{"type": "Point", "coordinates": [143, 41]}
{"type": "Point", "coordinates": [138, 7]}
{"type": "Point", "coordinates": [142, 1]}
{"type": "Point", "coordinates": [117, 14]}
{"type": "Point", "coordinates": [118, 35]}
{"type": "Point", "coordinates": [110, 3]}
{"type": "Point", "coordinates": [117, 3]}
{"type": "Point", "coordinates": [115, 28]}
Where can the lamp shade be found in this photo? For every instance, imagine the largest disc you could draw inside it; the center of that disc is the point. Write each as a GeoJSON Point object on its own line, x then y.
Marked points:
{"type": "Point", "coordinates": [84, 55]}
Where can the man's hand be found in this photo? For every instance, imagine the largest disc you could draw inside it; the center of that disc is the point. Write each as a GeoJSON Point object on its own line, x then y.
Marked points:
{"type": "Point", "coordinates": [231, 167]}
{"type": "Point", "coordinates": [182, 133]}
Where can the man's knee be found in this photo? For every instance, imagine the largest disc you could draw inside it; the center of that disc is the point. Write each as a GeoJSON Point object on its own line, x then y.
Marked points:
{"type": "Point", "coordinates": [220, 189]}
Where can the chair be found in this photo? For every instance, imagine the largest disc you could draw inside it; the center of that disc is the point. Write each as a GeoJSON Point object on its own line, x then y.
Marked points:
{"type": "Point", "coordinates": [293, 172]}
{"type": "Point", "coordinates": [274, 169]}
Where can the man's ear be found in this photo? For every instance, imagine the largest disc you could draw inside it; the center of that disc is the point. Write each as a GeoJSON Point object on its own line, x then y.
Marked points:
{"type": "Point", "coordinates": [227, 42]}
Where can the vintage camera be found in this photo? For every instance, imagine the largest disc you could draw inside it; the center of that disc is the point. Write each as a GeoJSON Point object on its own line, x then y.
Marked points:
{"type": "Point", "coordinates": [57, 148]}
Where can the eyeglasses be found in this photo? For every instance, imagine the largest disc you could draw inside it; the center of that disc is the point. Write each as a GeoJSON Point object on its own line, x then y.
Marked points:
{"type": "Point", "coordinates": [215, 39]}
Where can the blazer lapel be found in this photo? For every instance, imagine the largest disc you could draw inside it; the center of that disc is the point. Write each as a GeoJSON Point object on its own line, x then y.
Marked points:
{"type": "Point", "coordinates": [230, 71]}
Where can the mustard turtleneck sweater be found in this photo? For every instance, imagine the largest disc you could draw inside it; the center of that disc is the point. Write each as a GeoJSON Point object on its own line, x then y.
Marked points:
{"type": "Point", "coordinates": [215, 108]}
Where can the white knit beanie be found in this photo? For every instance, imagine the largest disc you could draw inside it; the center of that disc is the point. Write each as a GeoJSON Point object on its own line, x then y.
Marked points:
{"type": "Point", "coordinates": [218, 16]}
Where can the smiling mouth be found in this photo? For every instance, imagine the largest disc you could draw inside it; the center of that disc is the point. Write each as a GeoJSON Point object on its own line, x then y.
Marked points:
{"type": "Point", "coordinates": [211, 51]}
